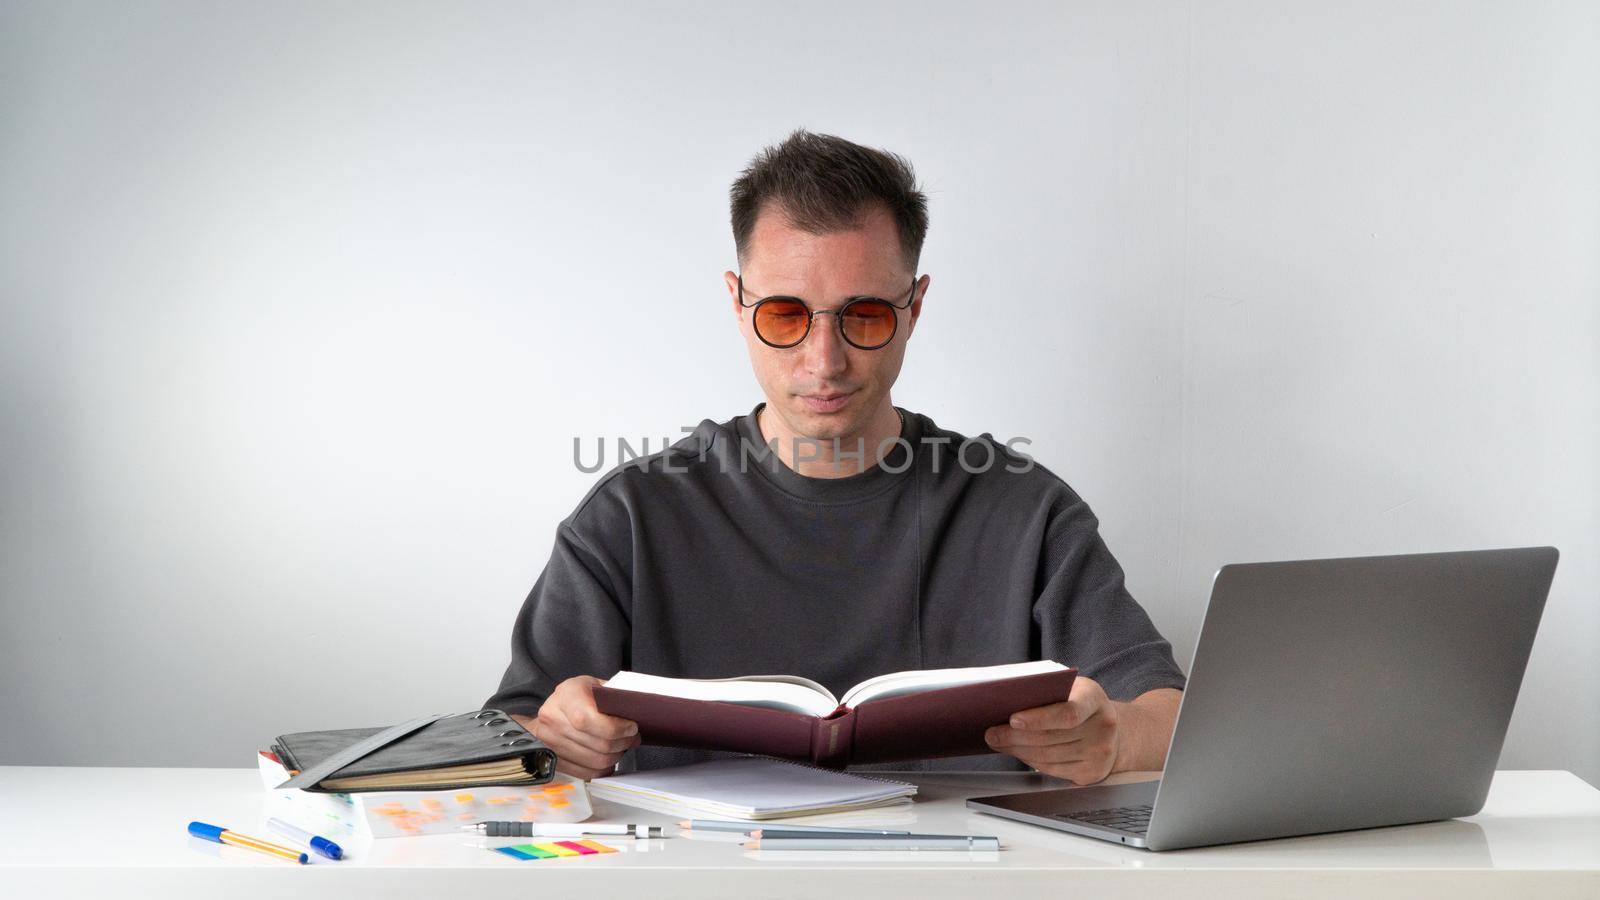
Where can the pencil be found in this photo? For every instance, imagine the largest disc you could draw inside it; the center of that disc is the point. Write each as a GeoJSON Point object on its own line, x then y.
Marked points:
{"type": "Point", "coordinates": [878, 842]}
{"type": "Point", "coordinates": [782, 831]}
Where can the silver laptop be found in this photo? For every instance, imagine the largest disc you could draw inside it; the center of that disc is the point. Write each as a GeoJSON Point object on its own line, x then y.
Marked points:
{"type": "Point", "coordinates": [1328, 695]}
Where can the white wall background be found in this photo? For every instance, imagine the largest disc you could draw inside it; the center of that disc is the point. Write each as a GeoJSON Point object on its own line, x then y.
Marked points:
{"type": "Point", "coordinates": [301, 308]}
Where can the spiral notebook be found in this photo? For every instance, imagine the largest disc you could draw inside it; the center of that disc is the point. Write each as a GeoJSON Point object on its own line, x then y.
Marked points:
{"type": "Point", "coordinates": [750, 787]}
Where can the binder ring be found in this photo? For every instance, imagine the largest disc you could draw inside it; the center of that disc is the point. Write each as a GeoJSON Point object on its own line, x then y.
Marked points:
{"type": "Point", "coordinates": [518, 742]}
{"type": "Point", "coordinates": [486, 714]}
{"type": "Point", "coordinates": [506, 734]}
{"type": "Point", "coordinates": [493, 722]}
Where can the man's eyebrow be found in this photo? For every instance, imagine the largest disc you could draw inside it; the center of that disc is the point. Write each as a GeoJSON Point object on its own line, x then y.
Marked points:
{"type": "Point", "coordinates": [892, 296]}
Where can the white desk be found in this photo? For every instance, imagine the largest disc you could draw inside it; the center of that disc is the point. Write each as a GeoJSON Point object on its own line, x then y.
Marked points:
{"type": "Point", "coordinates": [121, 832]}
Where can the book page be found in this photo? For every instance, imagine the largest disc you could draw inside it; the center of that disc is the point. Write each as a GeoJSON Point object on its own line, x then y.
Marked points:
{"type": "Point", "coordinates": [786, 692]}
{"type": "Point", "coordinates": [896, 684]}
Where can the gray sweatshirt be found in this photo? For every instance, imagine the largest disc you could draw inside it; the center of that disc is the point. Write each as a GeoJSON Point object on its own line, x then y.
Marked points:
{"type": "Point", "coordinates": [713, 559]}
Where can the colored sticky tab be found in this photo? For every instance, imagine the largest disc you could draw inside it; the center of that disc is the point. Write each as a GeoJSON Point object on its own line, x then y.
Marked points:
{"type": "Point", "coordinates": [574, 845]}
{"type": "Point", "coordinates": [534, 852]}
{"type": "Point", "coordinates": [596, 846]}
{"type": "Point", "coordinates": [558, 850]}
{"type": "Point", "coordinates": [514, 852]}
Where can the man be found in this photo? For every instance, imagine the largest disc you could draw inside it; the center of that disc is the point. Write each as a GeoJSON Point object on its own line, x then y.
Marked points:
{"type": "Point", "coordinates": [872, 541]}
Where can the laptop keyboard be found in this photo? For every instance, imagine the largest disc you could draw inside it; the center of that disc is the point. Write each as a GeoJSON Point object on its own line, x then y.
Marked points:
{"type": "Point", "coordinates": [1135, 819]}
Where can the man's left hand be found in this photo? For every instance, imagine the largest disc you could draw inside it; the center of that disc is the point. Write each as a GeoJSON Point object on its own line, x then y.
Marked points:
{"type": "Point", "coordinates": [1077, 739]}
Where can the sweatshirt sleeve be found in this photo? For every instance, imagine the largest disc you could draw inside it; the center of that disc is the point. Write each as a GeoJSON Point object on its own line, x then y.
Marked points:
{"type": "Point", "coordinates": [1087, 618]}
{"type": "Point", "coordinates": [574, 622]}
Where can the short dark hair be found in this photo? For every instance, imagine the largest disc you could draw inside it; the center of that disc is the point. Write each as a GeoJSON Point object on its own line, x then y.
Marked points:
{"type": "Point", "coordinates": [823, 184]}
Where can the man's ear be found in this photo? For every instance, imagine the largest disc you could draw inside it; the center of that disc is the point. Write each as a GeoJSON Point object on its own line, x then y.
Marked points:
{"type": "Point", "coordinates": [732, 282]}
{"type": "Point", "coordinates": [916, 304]}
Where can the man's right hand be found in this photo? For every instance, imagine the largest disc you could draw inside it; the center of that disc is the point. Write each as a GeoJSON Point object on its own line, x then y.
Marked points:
{"type": "Point", "coordinates": [587, 742]}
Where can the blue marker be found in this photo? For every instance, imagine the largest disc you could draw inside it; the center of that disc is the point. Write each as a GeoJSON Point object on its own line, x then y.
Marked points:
{"type": "Point", "coordinates": [320, 844]}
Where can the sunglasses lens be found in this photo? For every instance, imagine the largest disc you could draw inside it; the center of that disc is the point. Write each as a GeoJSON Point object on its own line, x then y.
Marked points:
{"type": "Point", "coordinates": [782, 323]}
{"type": "Point", "coordinates": [868, 324]}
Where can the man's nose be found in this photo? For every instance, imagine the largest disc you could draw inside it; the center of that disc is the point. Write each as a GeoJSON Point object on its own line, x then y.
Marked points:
{"type": "Point", "coordinates": [824, 347]}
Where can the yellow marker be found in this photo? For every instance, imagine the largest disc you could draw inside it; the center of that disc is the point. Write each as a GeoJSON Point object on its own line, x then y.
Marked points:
{"type": "Point", "coordinates": [463, 798]}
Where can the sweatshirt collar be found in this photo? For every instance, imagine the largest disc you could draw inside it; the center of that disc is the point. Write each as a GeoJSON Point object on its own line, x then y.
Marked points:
{"type": "Point", "coordinates": [897, 463]}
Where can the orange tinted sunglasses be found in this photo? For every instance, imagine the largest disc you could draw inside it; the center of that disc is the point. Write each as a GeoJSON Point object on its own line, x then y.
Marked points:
{"type": "Point", "coordinates": [867, 323]}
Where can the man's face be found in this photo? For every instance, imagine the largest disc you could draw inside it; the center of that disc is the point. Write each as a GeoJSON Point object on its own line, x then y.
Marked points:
{"type": "Point", "coordinates": [825, 388]}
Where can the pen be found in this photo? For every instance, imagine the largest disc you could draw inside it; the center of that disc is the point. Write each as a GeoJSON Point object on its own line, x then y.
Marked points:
{"type": "Point", "coordinates": [878, 842]}
{"type": "Point", "coordinates": [223, 836]}
{"type": "Point", "coordinates": [316, 842]}
{"type": "Point", "coordinates": [746, 827]}
{"type": "Point", "coordinates": [563, 829]}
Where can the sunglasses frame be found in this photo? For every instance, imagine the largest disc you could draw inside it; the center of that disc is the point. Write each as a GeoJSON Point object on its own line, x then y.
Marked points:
{"type": "Point", "coordinates": [838, 315]}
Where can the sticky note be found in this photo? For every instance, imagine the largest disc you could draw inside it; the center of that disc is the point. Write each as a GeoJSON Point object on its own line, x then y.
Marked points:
{"type": "Point", "coordinates": [554, 849]}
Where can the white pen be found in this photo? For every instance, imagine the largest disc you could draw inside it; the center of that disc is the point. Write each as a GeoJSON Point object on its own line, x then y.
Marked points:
{"type": "Point", "coordinates": [315, 841]}
{"type": "Point", "coordinates": [563, 829]}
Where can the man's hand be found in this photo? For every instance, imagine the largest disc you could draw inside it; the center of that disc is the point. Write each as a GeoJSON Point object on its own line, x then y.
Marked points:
{"type": "Point", "coordinates": [587, 742]}
{"type": "Point", "coordinates": [1089, 736]}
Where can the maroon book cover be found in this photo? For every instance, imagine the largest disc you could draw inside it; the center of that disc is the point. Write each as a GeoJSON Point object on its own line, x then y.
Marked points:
{"type": "Point", "coordinates": [926, 725]}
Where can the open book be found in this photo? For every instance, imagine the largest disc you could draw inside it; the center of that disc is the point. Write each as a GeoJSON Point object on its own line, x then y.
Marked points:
{"type": "Point", "coordinates": [890, 718]}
